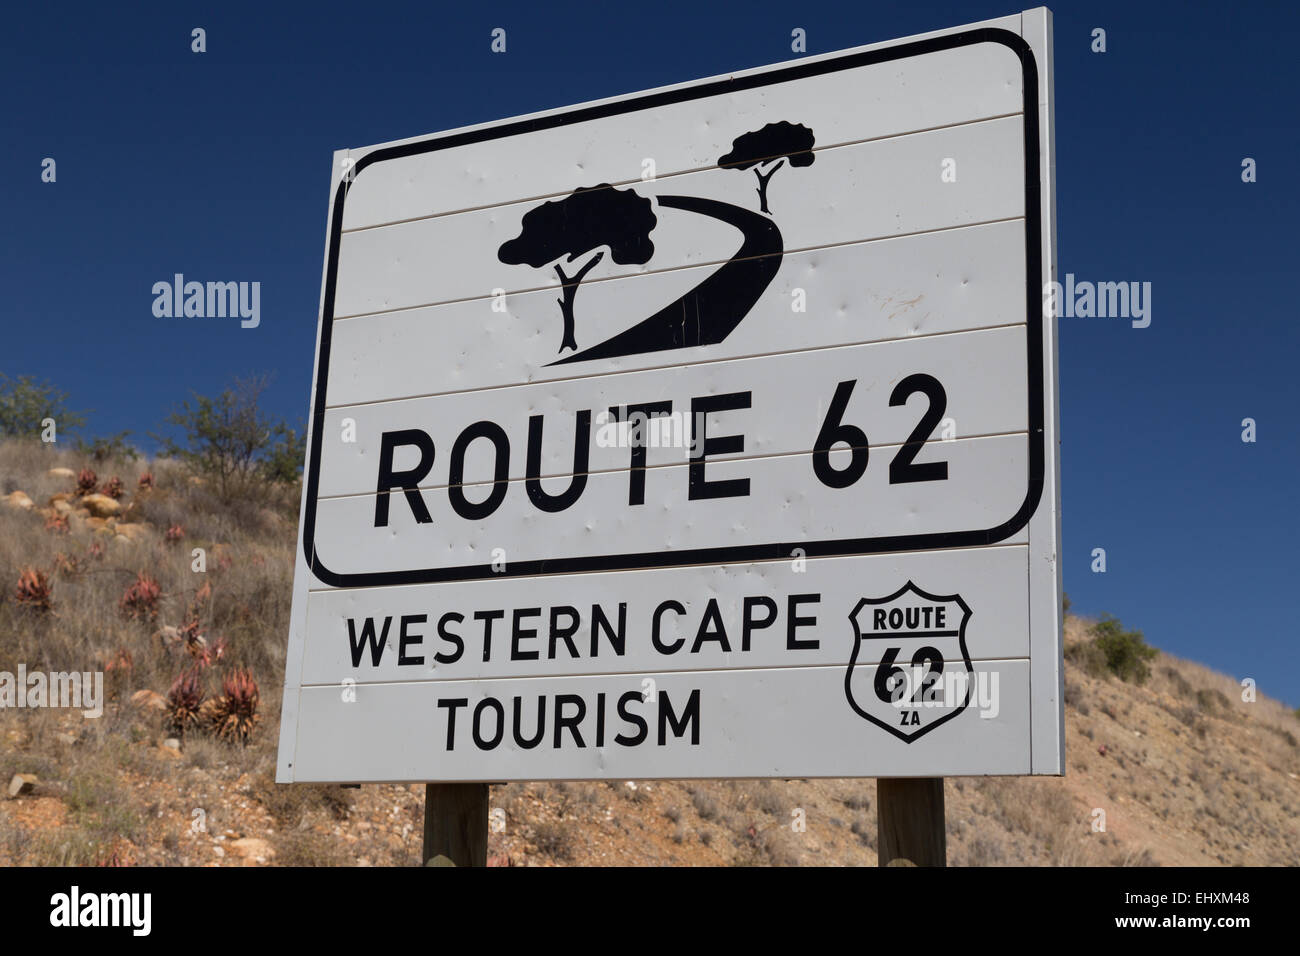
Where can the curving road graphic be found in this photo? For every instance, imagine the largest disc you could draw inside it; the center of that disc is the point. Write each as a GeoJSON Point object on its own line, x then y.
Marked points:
{"type": "Point", "coordinates": [707, 313]}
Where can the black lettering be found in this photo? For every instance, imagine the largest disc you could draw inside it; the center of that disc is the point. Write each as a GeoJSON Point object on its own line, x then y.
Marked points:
{"type": "Point", "coordinates": [643, 729]}
{"type": "Point", "coordinates": [667, 719]}
{"type": "Point", "coordinates": [903, 469]}
{"type": "Point", "coordinates": [599, 622]}
{"type": "Point", "coordinates": [578, 480]}
{"type": "Point", "coordinates": [462, 505]}
{"type": "Point", "coordinates": [638, 416]}
{"type": "Point", "coordinates": [404, 638]}
{"type": "Point", "coordinates": [528, 743]}
{"type": "Point", "coordinates": [377, 645]}
{"type": "Point", "coordinates": [562, 721]}
{"type": "Point", "coordinates": [566, 632]}
{"type": "Point", "coordinates": [450, 638]}
{"type": "Point", "coordinates": [703, 446]}
{"type": "Point", "coordinates": [523, 634]}
{"type": "Point", "coordinates": [487, 617]}
{"type": "Point", "coordinates": [408, 481]}
{"type": "Point", "coordinates": [711, 628]}
{"type": "Point", "coordinates": [451, 705]}
{"type": "Point", "coordinates": [750, 624]}
{"type": "Point", "coordinates": [654, 627]}
{"type": "Point", "coordinates": [794, 621]}
{"type": "Point", "coordinates": [485, 743]}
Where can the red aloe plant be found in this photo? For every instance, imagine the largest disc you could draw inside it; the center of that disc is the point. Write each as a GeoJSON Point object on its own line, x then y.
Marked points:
{"type": "Point", "coordinates": [34, 590]}
{"type": "Point", "coordinates": [140, 600]}
{"type": "Point", "coordinates": [233, 716]}
{"type": "Point", "coordinates": [184, 700]}
{"type": "Point", "coordinates": [113, 487]}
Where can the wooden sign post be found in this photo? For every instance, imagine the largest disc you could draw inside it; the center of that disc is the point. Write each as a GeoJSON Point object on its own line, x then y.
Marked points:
{"type": "Point", "coordinates": [455, 824]}
{"type": "Point", "coordinates": [910, 826]}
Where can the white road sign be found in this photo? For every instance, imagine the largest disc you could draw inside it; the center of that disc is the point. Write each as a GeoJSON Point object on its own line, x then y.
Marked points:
{"type": "Point", "coordinates": [705, 432]}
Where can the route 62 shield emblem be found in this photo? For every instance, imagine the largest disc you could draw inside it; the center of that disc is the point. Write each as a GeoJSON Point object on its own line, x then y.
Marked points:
{"type": "Point", "coordinates": [924, 676]}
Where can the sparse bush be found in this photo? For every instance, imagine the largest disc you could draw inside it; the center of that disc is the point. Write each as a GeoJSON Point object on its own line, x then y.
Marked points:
{"type": "Point", "coordinates": [865, 830]}
{"type": "Point", "coordinates": [1213, 701]}
{"type": "Point", "coordinates": [554, 839]}
{"type": "Point", "coordinates": [704, 805]}
{"type": "Point", "coordinates": [1089, 657]}
{"type": "Point", "coordinates": [986, 851]}
{"type": "Point", "coordinates": [1073, 695]}
{"type": "Point", "coordinates": [857, 801]}
{"type": "Point", "coordinates": [290, 804]}
{"type": "Point", "coordinates": [1181, 687]}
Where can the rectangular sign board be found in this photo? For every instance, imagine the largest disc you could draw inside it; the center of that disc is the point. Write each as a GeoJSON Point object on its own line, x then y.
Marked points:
{"type": "Point", "coordinates": [705, 432]}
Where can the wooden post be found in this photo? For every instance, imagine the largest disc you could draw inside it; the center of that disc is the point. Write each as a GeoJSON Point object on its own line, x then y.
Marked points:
{"type": "Point", "coordinates": [909, 822]}
{"type": "Point", "coordinates": [455, 824]}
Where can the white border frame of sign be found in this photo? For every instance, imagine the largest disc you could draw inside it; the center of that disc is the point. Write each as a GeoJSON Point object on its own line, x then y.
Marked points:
{"type": "Point", "coordinates": [1032, 44]}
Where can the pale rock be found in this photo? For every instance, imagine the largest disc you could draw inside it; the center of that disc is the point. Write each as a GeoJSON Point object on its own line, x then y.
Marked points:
{"type": "Point", "coordinates": [101, 506]}
{"type": "Point", "coordinates": [22, 783]}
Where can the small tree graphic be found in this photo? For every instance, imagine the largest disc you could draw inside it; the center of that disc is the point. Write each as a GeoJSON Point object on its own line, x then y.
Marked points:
{"type": "Point", "coordinates": [591, 217]}
{"type": "Point", "coordinates": [768, 148]}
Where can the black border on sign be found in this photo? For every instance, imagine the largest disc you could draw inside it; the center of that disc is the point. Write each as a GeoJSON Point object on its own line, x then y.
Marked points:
{"type": "Point", "coordinates": [720, 555]}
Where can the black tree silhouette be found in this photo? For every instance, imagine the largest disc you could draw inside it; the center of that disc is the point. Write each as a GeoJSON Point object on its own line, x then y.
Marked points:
{"type": "Point", "coordinates": [768, 148]}
{"type": "Point", "coordinates": [591, 217]}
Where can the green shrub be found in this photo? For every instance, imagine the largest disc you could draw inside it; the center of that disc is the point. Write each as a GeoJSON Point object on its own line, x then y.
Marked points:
{"type": "Point", "coordinates": [25, 404]}
{"type": "Point", "coordinates": [110, 448]}
{"type": "Point", "coordinates": [232, 442]}
{"type": "Point", "coordinates": [1125, 652]}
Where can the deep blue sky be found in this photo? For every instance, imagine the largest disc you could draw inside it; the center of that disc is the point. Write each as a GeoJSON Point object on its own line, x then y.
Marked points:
{"type": "Point", "coordinates": [217, 165]}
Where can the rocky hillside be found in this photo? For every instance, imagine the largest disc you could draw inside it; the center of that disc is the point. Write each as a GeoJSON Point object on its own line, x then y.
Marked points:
{"type": "Point", "coordinates": [102, 573]}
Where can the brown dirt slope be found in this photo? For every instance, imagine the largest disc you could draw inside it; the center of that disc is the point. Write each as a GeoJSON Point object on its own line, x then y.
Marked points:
{"type": "Point", "coordinates": [1183, 769]}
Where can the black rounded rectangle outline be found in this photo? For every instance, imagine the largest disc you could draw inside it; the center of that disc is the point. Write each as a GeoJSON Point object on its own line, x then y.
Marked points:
{"type": "Point", "coordinates": [720, 555]}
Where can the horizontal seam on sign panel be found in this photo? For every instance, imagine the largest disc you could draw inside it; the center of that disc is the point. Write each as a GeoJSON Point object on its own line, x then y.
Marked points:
{"type": "Point", "coordinates": [694, 363]}
{"type": "Point", "coordinates": [676, 173]}
{"type": "Point", "coordinates": [681, 268]}
{"type": "Point", "coordinates": [643, 673]}
{"type": "Point", "coordinates": [712, 460]}
{"type": "Point", "coordinates": [766, 562]}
